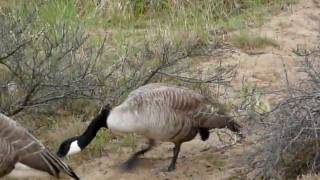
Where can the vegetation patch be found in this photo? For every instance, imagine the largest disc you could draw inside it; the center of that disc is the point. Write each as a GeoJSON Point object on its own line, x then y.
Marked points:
{"type": "Point", "coordinates": [216, 162]}
{"type": "Point", "coordinates": [292, 129]}
{"type": "Point", "coordinates": [249, 41]}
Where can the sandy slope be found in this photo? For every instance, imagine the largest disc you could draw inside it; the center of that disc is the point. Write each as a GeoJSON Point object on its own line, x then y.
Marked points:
{"type": "Point", "coordinates": [296, 26]}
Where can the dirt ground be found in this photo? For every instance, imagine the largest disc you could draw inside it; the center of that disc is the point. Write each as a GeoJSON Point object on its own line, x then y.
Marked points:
{"type": "Point", "coordinates": [297, 26]}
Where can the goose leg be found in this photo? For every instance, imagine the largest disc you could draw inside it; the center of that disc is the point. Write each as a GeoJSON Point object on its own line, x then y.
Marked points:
{"type": "Point", "coordinates": [133, 160]}
{"type": "Point", "coordinates": [176, 151]}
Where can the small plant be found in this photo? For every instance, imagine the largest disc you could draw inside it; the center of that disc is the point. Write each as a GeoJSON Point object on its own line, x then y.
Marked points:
{"type": "Point", "coordinates": [301, 50]}
{"type": "Point", "coordinates": [98, 146]}
{"type": "Point", "coordinates": [252, 99]}
{"type": "Point", "coordinates": [130, 140]}
{"type": "Point", "coordinates": [216, 162]}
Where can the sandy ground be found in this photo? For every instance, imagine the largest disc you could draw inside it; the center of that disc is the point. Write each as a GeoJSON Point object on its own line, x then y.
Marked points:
{"type": "Point", "coordinates": [297, 26]}
{"type": "Point", "coordinates": [197, 160]}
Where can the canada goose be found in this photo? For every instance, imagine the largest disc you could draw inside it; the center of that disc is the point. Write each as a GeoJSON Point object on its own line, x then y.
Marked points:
{"type": "Point", "coordinates": [18, 148]}
{"type": "Point", "coordinates": [159, 112]}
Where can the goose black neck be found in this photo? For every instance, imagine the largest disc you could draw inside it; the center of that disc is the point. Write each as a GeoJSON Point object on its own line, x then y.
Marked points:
{"type": "Point", "coordinates": [100, 121]}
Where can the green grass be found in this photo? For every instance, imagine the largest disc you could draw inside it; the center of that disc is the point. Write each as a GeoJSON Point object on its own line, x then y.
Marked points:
{"type": "Point", "coordinates": [132, 22]}
{"type": "Point", "coordinates": [191, 17]}
{"type": "Point", "coordinates": [249, 41]}
{"type": "Point", "coordinates": [98, 146]}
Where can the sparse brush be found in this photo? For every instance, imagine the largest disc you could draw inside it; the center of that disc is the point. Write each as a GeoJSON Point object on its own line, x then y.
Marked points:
{"type": "Point", "coordinates": [47, 64]}
{"type": "Point", "coordinates": [292, 143]}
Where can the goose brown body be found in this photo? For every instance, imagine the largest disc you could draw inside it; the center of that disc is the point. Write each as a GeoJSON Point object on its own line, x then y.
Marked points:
{"type": "Point", "coordinates": [18, 146]}
{"type": "Point", "coordinates": [164, 112]}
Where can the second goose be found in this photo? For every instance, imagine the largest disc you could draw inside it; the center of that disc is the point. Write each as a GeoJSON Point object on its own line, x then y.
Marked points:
{"type": "Point", "coordinates": [21, 152]}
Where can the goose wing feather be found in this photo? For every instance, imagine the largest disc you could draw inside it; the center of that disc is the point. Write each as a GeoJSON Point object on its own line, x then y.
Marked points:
{"type": "Point", "coordinates": [21, 141]}
{"type": "Point", "coordinates": [168, 96]}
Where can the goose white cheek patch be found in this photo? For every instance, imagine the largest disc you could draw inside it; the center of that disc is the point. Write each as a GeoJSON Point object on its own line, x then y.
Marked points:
{"type": "Point", "coordinates": [74, 148]}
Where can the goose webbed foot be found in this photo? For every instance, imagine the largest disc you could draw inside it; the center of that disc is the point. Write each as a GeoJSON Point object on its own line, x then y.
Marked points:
{"type": "Point", "coordinates": [168, 168]}
{"type": "Point", "coordinates": [130, 163]}
{"type": "Point", "coordinates": [171, 168]}
{"type": "Point", "coordinates": [162, 171]}
{"type": "Point", "coordinates": [134, 159]}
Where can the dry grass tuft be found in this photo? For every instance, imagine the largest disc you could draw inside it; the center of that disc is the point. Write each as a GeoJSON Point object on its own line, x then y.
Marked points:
{"type": "Point", "coordinates": [249, 41]}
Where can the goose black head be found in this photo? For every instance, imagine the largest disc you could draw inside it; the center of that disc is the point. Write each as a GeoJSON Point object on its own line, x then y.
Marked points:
{"type": "Point", "coordinates": [233, 125]}
{"type": "Point", "coordinates": [69, 147]}
{"type": "Point", "coordinates": [77, 144]}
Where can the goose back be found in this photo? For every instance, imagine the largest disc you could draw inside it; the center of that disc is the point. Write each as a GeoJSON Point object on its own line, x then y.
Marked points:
{"type": "Point", "coordinates": [160, 111]}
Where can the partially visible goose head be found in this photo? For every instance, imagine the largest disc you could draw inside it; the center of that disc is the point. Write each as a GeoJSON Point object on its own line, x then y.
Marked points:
{"type": "Point", "coordinates": [232, 125]}
{"type": "Point", "coordinates": [77, 144]}
{"type": "Point", "coordinates": [222, 121]}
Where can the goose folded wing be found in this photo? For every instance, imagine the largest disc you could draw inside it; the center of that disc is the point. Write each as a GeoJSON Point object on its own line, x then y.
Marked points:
{"type": "Point", "coordinates": [173, 97]}
{"type": "Point", "coordinates": [22, 142]}
{"type": "Point", "coordinates": [182, 99]}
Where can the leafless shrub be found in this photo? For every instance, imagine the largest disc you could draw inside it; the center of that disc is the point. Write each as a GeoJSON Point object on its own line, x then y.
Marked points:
{"type": "Point", "coordinates": [55, 64]}
{"type": "Point", "coordinates": [291, 147]}
{"type": "Point", "coordinates": [163, 62]}
{"type": "Point", "coordinates": [46, 64]}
